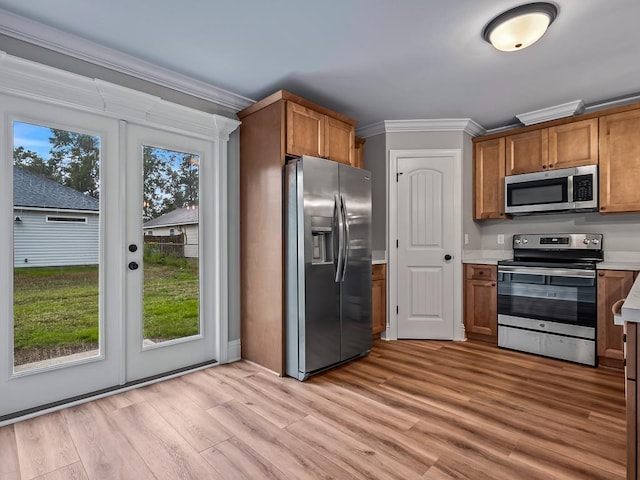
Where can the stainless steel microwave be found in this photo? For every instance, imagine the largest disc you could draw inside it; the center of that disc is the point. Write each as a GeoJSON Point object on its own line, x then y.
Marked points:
{"type": "Point", "coordinates": [556, 191]}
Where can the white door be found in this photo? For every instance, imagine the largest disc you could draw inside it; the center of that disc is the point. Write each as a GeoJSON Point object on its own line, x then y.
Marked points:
{"type": "Point", "coordinates": [60, 197]}
{"type": "Point", "coordinates": [425, 247]}
{"type": "Point", "coordinates": [170, 306]}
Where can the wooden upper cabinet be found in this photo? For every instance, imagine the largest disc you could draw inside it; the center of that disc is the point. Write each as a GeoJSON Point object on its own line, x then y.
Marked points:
{"type": "Point", "coordinates": [312, 133]}
{"type": "Point", "coordinates": [489, 179]}
{"type": "Point", "coordinates": [358, 153]}
{"type": "Point", "coordinates": [574, 144]}
{"type": "Point", "coordinates": [339, 141]}
{"type": "Point", "coordinates": [568, 145]}
{"type": "Point", "coordinates": [527, 152]}
{"type": "Point", "coordinates": [620, 162]}
{"type": "Point", "coordinates": [305, 131]}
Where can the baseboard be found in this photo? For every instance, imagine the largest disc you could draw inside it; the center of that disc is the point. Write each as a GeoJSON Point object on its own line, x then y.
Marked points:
{"type": "Point", "coordinates": [233, 351]}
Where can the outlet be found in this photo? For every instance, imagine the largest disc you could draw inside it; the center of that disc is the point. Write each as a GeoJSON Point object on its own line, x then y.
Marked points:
{"type": "Point", "coordinates": [466, 239]}
{"type": "Point", "coordinates": [500, 239]}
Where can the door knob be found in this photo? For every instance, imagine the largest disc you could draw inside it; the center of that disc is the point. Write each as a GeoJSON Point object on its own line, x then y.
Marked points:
{"type": "Point", "coordinates": [448, 257]}
{"type": "Point", "coordinates": [133, 265]}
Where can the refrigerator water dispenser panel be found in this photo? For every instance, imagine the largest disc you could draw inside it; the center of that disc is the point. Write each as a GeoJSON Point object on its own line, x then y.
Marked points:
{"type": "Point", "coordinates": [322, 240]}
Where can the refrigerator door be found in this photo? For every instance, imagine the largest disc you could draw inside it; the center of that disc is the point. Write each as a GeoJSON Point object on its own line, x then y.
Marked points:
{"type": "Point", "coordinates": [320, 325]}
{"type": "Point", "coordinates": [355, 195]}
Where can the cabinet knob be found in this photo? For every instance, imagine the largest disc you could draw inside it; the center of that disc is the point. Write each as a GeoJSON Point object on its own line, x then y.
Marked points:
{"type": "Point", "coordinates": [544, 166]}
{"type": "Point", "coordinates": [601, 274]}
{"type": "Point", "coordinates": [493, 284]}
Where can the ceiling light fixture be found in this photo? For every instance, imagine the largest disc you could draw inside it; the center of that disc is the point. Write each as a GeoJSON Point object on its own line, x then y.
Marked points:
{"type": "Point", "coordinates": [520, 27]}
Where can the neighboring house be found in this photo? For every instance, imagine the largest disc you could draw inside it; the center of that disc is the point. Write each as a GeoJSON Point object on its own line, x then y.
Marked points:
{"type": "Point", "coordinates": [179, 221]}
{"type": "Point", "coordinates": [53, 225]}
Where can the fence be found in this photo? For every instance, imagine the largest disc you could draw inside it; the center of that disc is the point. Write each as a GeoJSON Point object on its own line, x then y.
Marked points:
{"type": "Point", "coordinates": [170, 245]}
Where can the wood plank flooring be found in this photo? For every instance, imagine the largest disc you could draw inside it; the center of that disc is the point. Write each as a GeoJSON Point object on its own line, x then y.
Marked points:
{"type": "Point", "coordinates": [411, 410]}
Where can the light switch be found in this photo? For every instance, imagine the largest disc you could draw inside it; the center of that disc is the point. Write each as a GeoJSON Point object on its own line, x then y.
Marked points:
{"type": "Point", "coordinates": [500, 239]}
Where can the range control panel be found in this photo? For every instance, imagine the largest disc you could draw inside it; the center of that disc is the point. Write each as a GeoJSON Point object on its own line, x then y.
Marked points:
{"type": "Point", "coordinates": [562, 241]}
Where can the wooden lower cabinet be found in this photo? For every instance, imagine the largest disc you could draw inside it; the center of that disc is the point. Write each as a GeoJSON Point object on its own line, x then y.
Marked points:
{"type": "Point", "coordinates": [379, 298]}
{"type": "Point", "coordinates": [631, 392]}
{"type": "Point", "coordinates": [612, 286]}
{"type": "Point", "coordinates": [481, 302]}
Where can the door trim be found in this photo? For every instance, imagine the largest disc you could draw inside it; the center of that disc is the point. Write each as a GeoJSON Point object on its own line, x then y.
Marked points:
{"type": "Point", "coordinates": [391, 332]}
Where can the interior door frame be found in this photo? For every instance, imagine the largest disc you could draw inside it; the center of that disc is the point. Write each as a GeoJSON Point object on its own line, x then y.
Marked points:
{"type": "Point", "coordinates": [391, 332]}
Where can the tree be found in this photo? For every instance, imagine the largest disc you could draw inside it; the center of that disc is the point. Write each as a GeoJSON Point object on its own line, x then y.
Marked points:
{"type": "Point", "coordinates": [33, 162]}
{"type": "Point", "coordinates": [78, 158]}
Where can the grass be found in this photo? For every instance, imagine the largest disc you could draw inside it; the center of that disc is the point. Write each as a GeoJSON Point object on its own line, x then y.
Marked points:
{"type": "Point", "coordinates": [58, 307]}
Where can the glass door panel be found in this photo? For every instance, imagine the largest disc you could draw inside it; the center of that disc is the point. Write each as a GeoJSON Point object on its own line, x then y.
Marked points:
{"type": "Point", "coordinates": [56, 246]}
{"type": "Point", "coordinates": [170, 236]}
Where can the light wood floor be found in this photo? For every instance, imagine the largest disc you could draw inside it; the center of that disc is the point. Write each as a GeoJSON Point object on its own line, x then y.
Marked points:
{"type": "Point", "coordinates": [411, 410]}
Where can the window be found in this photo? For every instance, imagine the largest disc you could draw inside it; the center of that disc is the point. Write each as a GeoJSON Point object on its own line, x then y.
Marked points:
{"type": "Point", "coordinates": [51, 218]}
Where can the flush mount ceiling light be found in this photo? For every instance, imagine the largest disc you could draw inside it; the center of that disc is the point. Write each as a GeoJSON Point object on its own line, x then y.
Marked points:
{"type": "Point", "coordinates": [520, 27]}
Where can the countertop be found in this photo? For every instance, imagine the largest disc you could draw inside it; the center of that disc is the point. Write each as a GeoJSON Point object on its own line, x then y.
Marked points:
{"type": "Point", "coordinates": [612, 260]}
{"type": "Point", "coordinates": [631, 307]}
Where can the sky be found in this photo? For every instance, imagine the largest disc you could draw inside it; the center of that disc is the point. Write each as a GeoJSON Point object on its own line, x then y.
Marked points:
{"type": "Point", "coordinates": [32, 137]}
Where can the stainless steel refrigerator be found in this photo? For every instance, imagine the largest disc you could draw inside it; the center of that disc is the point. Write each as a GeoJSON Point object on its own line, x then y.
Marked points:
{"type": "Point", "coordinates": [328, 265]}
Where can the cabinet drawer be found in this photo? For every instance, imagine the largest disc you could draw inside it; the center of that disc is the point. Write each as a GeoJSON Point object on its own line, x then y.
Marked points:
{"type": "Point", "coordinates": [480, 272]}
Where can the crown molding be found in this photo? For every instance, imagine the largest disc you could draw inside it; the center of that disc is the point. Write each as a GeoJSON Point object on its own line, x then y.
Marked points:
{"type": "Point", "coordinates": [42, 35]}
{"type": "Point", "coordinates": [27, 79]}
{"type": "Point", "coordinates": [575, 107]}
{"type": "Point", "coordinates": [425, 125]}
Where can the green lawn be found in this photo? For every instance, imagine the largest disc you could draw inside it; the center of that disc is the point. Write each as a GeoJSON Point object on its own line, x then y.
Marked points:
{"type": "Point", "coordinates": [58, 307]}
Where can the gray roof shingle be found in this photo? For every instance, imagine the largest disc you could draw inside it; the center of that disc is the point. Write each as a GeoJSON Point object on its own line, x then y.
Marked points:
{"type": "Point", "coordinates": [179, 216]}
{"type": "Point", "coordinates": [33, 190]}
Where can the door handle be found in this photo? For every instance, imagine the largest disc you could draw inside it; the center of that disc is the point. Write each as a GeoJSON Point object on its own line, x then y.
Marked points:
{"type": "Point", "coordinates": [133, 265]}
{"type": "Point", "coordinates": [448, 257]}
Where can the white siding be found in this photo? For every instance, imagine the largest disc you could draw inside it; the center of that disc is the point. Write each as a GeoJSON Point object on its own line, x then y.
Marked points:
{"type": "Point", "coordinates": [38, 243]}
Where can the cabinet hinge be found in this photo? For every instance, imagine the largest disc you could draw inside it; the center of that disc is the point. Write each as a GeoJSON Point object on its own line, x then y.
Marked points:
{"type": "Point", "coordinates": [624, 338]}
{"type": "Point", "coordinates": [397, 309]}
{"type": "Point", "coordinates": [398, 175]}
{"type": "Point", "coordinates": [397, 243]}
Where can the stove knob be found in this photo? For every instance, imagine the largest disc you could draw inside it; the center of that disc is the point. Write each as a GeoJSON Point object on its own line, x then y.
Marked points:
{"type": "Point", "coordinates": [525, 241]}
{"type": "Point", "coordinates": [586, 241]}
{"type": "Point", "coordinates": [595, 241]}
{"type": "Point", "coordinates": [517, 240]}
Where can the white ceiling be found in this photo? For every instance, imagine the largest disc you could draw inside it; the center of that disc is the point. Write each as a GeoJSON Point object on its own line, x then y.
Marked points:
{"type": "Point", "coordinates": [370, 59]}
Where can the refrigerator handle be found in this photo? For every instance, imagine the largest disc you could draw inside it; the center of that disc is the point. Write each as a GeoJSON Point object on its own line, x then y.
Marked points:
{"type": "Point", "coordinates": [345, 223]}
{"type": "Point", "coordinates": [338, 258]}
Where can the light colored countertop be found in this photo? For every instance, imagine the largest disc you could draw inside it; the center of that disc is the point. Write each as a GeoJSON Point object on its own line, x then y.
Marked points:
{"type": "Point", "coordinates": [612, 260]}
{"type": "Point", "coordinates": [631, 307]}
{"type": "Point", "coordinates": [485, 257]}
{"type": "Point", "coordinates": [620, 261]}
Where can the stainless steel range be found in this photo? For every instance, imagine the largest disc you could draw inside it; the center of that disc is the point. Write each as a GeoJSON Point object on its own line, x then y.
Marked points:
{"type": "Point", "coordinates": [547, 296]}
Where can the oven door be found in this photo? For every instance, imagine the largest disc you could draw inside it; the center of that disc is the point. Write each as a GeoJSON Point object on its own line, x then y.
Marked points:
{"type": "Point", "coordinates": [562, 295]}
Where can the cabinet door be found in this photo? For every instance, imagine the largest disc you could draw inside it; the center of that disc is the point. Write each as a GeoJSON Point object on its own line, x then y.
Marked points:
{"type": "Point", "coordinates": [489, 179]}
{"type": "Point", "coordinates": [379, 298]}
{"type": "Point", "coordinates": [305, 131]}
{"type": "Point", "coordinates": [480, 303]}
{"type": "Point", "coordinates": [527, 152]}
{"type": "Point", "coordinates": [339, 141]}
{"type": "Point", "coordinates": [612, 286]}
{"type": "Point", "coordinates": [574, 144]}
{"type": "Point", "coordinates": [620, 162]}
{"type": "Point", "coordinates": [358, 158]}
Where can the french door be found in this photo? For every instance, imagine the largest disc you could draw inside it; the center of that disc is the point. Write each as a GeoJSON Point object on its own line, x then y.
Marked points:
{"type": "Point", "coordinates": [103, 275]}
{"type": "Point", "coordinates": [170, 314]}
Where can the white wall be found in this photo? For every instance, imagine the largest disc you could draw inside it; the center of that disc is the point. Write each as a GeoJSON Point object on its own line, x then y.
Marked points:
{"type": "Point", "coordinates": [621, 231]}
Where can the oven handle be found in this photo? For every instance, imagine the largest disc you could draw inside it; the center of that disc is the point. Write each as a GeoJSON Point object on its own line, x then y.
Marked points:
{"type": "Point", "coordinates": [556, 272]}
